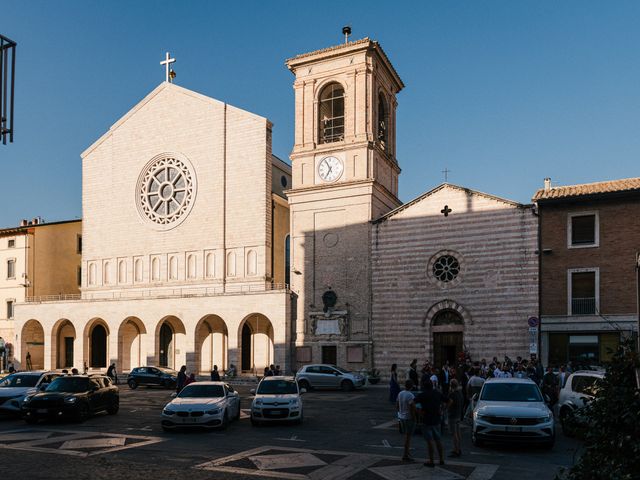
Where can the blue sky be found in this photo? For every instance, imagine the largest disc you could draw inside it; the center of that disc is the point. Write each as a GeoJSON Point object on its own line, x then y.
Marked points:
{"type": "Point", "coordinates": [502, 93]}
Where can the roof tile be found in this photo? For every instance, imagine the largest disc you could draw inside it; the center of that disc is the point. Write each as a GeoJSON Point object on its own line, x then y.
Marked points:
{"type": "Point", "coordinates": [622, 185]}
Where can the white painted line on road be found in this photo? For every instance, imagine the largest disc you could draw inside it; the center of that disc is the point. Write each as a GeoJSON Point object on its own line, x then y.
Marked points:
{"type": "Point", "coordinates": [391, 424]}
{"type": "Point", "coordinates": [93, 443]}
{"type": "Point", "coordinates": [294, 438]}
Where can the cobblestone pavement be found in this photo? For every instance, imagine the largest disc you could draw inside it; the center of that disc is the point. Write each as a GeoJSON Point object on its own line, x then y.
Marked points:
{"type": "Point", "coordinates": [345, 436]}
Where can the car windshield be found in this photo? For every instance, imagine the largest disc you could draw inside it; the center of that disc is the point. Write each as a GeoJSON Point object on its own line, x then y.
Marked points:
{"type": "Point", "coordinates": [18, 380]}
{"type": "Point", "coordinates": [341, 370]}
{"type": "Point", "coordinates": [277, 387]}
{"type": "Point", "coordinates": [69, 385]}
{"type": "Point", "coordinates": [511, 392]}
{"type": "Point", "coordinates": [202, 391]}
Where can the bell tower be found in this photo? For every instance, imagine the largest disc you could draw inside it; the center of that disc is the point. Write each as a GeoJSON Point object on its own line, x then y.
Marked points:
{"type": "Point", "coordinates": [345, 174]}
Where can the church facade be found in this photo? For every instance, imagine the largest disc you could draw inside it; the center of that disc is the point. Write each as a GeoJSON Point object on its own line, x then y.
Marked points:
{"type": "Point", "coordinates": [202, 248]}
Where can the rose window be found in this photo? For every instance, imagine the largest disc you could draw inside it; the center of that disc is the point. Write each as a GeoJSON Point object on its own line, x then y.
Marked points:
{"type": "Point", "coordinates": [166, 190]}
{"type": "Point", "coordinates": [446, 268]}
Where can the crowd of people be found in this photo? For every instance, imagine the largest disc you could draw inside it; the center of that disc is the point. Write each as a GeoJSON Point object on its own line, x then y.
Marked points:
{"type": "Point", "coordinates": [436, 398]}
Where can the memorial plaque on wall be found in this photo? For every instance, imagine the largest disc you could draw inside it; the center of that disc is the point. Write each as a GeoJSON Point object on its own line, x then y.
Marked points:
{"type": "Point", "coordinates": [327, 327]}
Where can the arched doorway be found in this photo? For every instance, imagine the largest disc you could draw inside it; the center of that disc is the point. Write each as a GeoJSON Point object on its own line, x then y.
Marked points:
{"type": "Point", "coordinates": [32, 346]}
{"type": "Point", "coordinates": [130, 344]}
{"type": "Point", "coordinates": [169, 339]}
{"type": "Point", "coordinates": [256, 343]}
{"type": "Point", "coordinates": [211, 343]}
{"type": "Point", "coordinates": [447, 326]}
{"type": "Point", "coordinates": [63, 336]}
{"type": "Point", "coordinates": [96, 343]}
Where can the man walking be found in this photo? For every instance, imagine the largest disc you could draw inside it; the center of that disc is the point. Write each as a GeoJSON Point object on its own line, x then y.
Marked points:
{"type": "Point", "coordinates": [431, 401]}
{"type": "Point", "coordinates": [406, 415]}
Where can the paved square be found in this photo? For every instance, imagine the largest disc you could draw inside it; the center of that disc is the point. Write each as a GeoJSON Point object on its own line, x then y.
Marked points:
{"type": "Point", "coordinates": [307, 464]}
{"type": "Point", "coordinates": [66, 442]}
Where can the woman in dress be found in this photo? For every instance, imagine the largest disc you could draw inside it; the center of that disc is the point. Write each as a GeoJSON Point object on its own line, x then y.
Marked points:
{"type": "Point", "coordinates": [394, 387]}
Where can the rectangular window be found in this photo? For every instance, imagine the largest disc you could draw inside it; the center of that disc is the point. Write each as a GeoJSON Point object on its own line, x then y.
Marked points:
{"type": "Point", "coordinates": [79, 244]}
{"type": "Point", "coordinates": [9, 309]}
{"type": "Point", "coordinates": [583, 230]}
{"type": "Point", "coordinates": [11, 268]}
{"type": "Point", "coordinates": [303, 354]}
{"type": "Point", "coordinates": [11, 243]}
{"type": "Point", "coordinates": [355, 354]}
{"type": "Point", "coordinates": [79, 276]}
{"type": "Point", "coordinates": [583, 288]}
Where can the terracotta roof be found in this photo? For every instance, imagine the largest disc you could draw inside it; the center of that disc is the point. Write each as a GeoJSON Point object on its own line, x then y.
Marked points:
{"type": "Point", "coordinates": [329, 49]}
{"type": "Point", "coordinates": [355, 43]}
{"type": "Point", "coordinates": [585, 189]}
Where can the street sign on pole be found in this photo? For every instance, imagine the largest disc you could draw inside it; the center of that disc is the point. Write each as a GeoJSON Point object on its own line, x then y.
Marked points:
{"type": "Point", "coordinates": [533, 340]}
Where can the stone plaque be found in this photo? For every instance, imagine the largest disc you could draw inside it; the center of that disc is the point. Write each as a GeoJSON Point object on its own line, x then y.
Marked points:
{"type": "Point", "coordinates": [327, 327]}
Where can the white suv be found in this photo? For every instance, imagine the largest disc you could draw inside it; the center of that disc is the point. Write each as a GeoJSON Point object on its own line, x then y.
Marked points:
{"type": "Point", "coordinates": [512, 410]}
{"type": "Point", "coordinates": [277, 398]}
{"type": "Point", "coordinates": [576, 393]}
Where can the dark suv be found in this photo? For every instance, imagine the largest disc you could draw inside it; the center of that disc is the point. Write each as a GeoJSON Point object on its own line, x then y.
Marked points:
{"type": "Point", "coordinates": [152, 376]}
{"type": "Point", "coordinates": [76, 397]}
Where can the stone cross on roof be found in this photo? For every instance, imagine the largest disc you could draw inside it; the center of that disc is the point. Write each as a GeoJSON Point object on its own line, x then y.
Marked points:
{"type": "Point", "coordinates": [167, 62]}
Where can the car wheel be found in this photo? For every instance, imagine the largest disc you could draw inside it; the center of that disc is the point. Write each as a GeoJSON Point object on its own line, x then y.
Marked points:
{"type": "Point", "coordinates": [31, 420]}
{"type": "Point", "coordinates": [567, 429]}
{"type": "Point", "coordinates": [346, 385]}
{"type": "Point", "coordinates": [83, 412]}
{"type": "Point", "coordinates": [132, 384]}
{"type": "Point", "coordinates": [300, 420]}
{"type": "Point", "coordinates": [165, 384]}
{"type": "Point", "coordinates": [237, 416]}
{"type": "Point", "coordinates": [549, 445]}
{"type": "Point", "coordinates": [114, 407]}
{"type": "Point", "coordinates": [305, 384]}
{"type": "Point", "coordinates": [165, 429]}
{"type": "Point", "coordinates": [475, 440]}
{"type": "Point", "coordinates": [254, 422]}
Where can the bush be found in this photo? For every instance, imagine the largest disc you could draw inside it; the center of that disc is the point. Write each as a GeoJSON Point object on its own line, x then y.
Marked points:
{"type": "Point", "coordinates": [612, 441]}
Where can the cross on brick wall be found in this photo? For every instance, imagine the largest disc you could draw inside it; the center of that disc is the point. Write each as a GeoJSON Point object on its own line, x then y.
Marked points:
{"type": "Point", "coordinates": [446, 211]}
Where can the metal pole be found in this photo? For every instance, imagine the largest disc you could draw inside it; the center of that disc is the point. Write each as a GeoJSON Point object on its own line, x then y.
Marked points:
{"type": "Point", "coordinates": [13, 82]}
{"type": "Point", "coordinates": [638, 295]}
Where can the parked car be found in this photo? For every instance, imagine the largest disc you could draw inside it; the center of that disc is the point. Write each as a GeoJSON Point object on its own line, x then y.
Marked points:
{"type": "Point", "coordinates": [277, 399]}
{"type": "Point", "coordinates": [15, 387]}
{"type": "Point", "coordinates": [74, 397]}
{"type": "Point", "coordinates": [152, 376]}
{"type": "Point", "coordinates": [202, 404]}
{"type": "Point", "coordinates": [328, 376]}
{"type": "Point", "coordinates": [581, 388]}
{"type": "Point", "coordinates": [512, 410]}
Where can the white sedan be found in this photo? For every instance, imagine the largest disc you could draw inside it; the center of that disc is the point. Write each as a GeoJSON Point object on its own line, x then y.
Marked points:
{"type": "Point", "coordinates": [202, 404]}
{"type": "Point", "coordinates": [277, 399]}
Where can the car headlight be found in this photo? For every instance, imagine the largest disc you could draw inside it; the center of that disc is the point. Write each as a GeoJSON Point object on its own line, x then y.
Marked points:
{"type": "Point", "coordinates": [258, 401]}
{"type": "Point", "coordinates": [166, 411]}
{"type": "Point", "coordinates": [294, 402]}
{"type": "Point", "coordinates": [478, 415]}
{"type": "Point", "coordinates": [173, 379]}
{"type": "Point", "coordinates": [70, 400]}
{"type": "Point", "coordinates": [213, 411]}
{"type": "Point", "coordinates": [546, 418]}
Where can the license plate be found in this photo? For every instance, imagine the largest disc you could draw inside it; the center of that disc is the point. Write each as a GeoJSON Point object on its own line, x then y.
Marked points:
{"type": "Point", "coordinates": [188, 420]}
{"type": "Point", "coordinates": [514, 429]}
{"type": "Point", "coordinates": [42, 410]}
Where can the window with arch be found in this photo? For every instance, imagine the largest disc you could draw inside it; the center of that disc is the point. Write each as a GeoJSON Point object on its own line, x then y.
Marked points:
{"type": "Point", "coordinates": [287, 259]}
{"type": "Point", "coordinates": [231, 264]}
{"type": "Point", "coordinates": [138, 270]}
{"type": "Point", "coordinates": [106, 274]}
{"type": "Point", "coordinates": [191, 266]}
{"type": "Point", "coordinates": [383, 120]}
{"type": "Point", "coordinates": [331, 113]}
{"type": "Point", "coordinates": [210, 265]}
{"type": "Point", "coordinates": [155, 269]}
{"type": "Point", "coordinates": [122, 271]}
{"type": "Point", "coordinates": [252, 263]}
{"type": "Point", "coordinates": [173, 268]}
{"type": "Point", "coordinates": [92, 273]}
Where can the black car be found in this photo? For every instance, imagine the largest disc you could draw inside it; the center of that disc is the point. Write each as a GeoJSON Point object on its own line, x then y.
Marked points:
{"type": "Point", "coordinates": [74, 397]}
{"type": "Point", "coordinates": [152, 376]}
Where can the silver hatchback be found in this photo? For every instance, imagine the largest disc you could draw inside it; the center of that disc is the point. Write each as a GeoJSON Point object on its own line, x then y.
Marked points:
{"type": "Point", "coordinates": [328, 376]}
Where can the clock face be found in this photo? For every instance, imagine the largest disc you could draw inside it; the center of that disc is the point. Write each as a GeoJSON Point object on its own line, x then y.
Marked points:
{"type": "Point", "coordinates": [330, 169]}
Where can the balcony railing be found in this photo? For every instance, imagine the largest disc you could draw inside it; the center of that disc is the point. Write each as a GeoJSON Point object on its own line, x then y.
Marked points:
{"type": "Point", "coordinates": [583, 306]}
{"type": "Point", "coordinates": [162, 293]}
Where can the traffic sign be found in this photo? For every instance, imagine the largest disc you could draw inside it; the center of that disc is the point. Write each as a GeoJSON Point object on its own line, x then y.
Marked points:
{"type": "Point", "coordinates": [533, 322]}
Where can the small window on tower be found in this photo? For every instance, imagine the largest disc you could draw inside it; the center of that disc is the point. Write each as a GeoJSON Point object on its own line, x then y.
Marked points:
{"type": "Point", "coordinates": [331, 111]}
{"type": "Point", "coordinates": [11, 243]}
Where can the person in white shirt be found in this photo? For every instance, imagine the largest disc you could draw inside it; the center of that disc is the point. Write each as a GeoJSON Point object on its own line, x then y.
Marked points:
{"type": "Point", "coordinates": [407, 416]}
